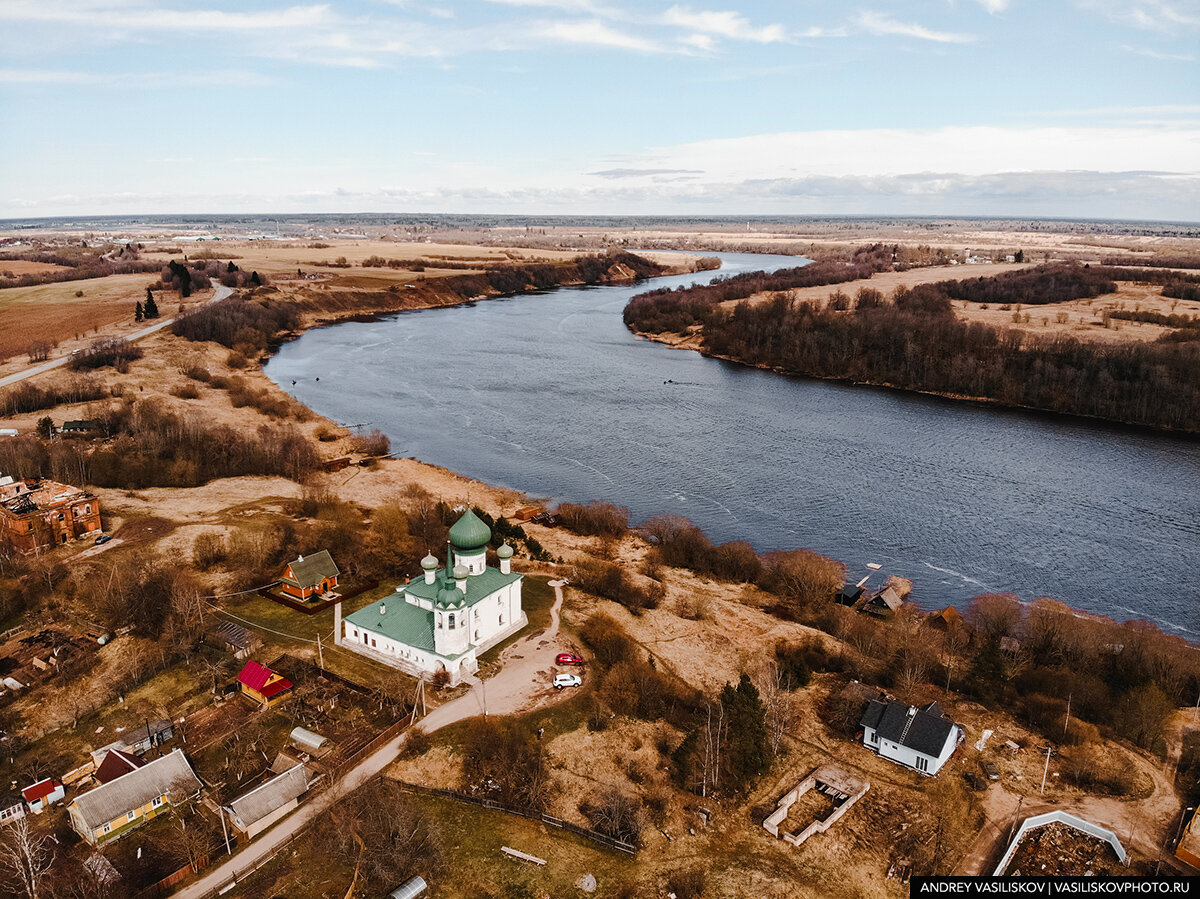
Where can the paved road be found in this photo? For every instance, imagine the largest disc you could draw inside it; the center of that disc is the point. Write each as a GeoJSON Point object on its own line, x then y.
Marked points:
{"type": "Point", "coordinates": [221, 293]}
{"type": "Point", "coordinates": [519, 684]}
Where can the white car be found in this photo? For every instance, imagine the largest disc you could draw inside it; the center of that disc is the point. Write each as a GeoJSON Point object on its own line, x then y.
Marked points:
{"type": "Point", "coordinates": [567, 680]}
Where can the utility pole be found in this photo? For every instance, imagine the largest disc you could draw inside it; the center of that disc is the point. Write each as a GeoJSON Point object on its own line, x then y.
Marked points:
{"type": "Point", "coordinates": [320, 654]}
{"type": "Point", "coordinates": [225, 831]}
{"type": "Point", "coordinates": [1046, 770]}
{"type": "Point", "coordinates": [1067, 720]}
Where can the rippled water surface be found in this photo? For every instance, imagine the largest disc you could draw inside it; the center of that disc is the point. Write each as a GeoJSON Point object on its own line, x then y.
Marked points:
{"type": "Point", "coordinates": [552, 395]}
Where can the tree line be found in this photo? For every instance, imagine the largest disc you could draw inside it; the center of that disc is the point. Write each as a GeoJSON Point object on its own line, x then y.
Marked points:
{"type": "Point", "coordinates": [76, 266]}
{"type": "Point", "coordinates": [238, 321]}
{"type": "Point", "coordinates": [676, 309]}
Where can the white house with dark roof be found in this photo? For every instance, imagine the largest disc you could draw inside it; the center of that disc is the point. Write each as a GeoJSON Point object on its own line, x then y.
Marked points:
{"type": "Point", "coordinates": [448, 617]}
{"type": "Point", "coordinates": [919, 738]}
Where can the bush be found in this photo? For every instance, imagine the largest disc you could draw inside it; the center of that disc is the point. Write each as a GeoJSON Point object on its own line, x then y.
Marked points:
{"type": "Point", "coordinates": [208, 549]}
{"type": "Point", "coordinates": [794, 671]}
{"type": "Point", "coordinates": [596, 519]}
{"type": "Point", "coordinates": [186, 392]}
{"type": "Point", "coordinates": [115, 352]}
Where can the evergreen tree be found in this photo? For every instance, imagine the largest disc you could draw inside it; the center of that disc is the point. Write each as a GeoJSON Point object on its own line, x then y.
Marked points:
{"type": "Point", "coordinates": [149, 295]}
{"type": "Point", "coordinates": [137, 311]}
{"type": "Point", "coordinates": [231, 269]}
{"type": "Point", "coordinates": [151, 308]}
{"type": "Point", "coordinates": [255, 279]}
{"type": "Point", "coordinates": [45, 427]}
{"type": "Point", "coordinates": [748, 751]}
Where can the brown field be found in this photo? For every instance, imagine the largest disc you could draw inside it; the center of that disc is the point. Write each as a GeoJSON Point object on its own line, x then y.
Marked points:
{"type": "Point", "coordinates": [25, 267]}
{"type": "Point", "coordinates": [282, 258]}
{"type": "Point", "coordinates": [53, 313]}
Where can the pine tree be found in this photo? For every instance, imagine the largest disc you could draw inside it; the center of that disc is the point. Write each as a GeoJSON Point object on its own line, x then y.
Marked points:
{"type": "Point", "coordinates": [149, 295]}
{"type": "Point", "coordinates": [137, 311]}
{"type": "Point", "coordinates": [748, 752]}
{"type": "Point", "coordinates": [151, 308]}
{"type": "Point", "coordinates": [255, 279]}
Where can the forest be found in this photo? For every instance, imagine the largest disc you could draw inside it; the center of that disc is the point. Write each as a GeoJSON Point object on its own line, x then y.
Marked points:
{"type": "Point", "coordinates": [913, 341]}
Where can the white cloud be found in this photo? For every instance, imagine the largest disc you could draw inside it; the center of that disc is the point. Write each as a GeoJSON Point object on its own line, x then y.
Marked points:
{"type": "Point", "coordinates": [1148, 15]}
{"type": "Point", "coordinates": [150, 80]}
{"type": "Point", "coordinates": [880, 24]}
{"type": "Point", "coordinates": [144, 17]}
{"type": "Point", "coordinates": [1158, 54]}
{"type": "Point", "coordinates": [597, 34]}
{"type": "Point", "coordinates": [725, 23]}
{"type": "Point", "coordinates": [964, 150]}
{"type": "Point", "coordinates": [995, 7]}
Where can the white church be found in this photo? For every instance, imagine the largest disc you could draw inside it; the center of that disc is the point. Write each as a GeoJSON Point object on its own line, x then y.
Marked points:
{"type": "Point", "coordinates": [446, 619]}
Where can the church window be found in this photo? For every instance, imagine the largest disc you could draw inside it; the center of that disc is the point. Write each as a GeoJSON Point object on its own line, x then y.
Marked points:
{"type": "Point", "coordinates": [502, 618]}
{"type": "Point", "coordinates": [439, 618]}
{"type": "Point", "coordinates": [451, 621]}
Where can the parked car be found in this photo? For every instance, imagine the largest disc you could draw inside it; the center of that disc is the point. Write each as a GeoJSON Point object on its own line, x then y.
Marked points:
{"type": "Point", "coordinates": [567, 680]}
{"type": "Point", "coordinates": [103, 538]}
{"type": "Point", "coordinates": [568, 658]}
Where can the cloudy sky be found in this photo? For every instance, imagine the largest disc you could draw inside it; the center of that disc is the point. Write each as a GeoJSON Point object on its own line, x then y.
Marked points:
{"type": "Point", "coordinates": [1085, 108]}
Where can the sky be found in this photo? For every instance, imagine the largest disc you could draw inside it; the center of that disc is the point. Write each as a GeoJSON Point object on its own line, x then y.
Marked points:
{"type": "Point", "coordinates": [1053, 108]}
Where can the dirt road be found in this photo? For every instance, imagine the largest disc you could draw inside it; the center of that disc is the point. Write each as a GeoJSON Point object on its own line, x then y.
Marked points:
{"type": "Point", "coordinates": [521, 683]}
{"type": "Point", "coordinates": [1147, 825]}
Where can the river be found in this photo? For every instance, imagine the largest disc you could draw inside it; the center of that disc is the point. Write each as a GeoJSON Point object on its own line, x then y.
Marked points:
{"type": "Point", "coordinates": [551, 394]}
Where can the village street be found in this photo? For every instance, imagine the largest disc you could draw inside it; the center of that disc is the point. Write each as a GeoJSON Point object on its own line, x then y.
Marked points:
{"type": "Point", "coordinates": [520, 682]}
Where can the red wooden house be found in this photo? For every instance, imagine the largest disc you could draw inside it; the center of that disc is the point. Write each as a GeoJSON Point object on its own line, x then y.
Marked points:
{"type": "Point", "coordinates": [309, 577]}
{"type": "Point", "coordinates": [264, 686]}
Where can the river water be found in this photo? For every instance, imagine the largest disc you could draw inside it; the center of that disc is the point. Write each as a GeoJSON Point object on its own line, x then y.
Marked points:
{"type": "Point", "coordinates": [552, 395]}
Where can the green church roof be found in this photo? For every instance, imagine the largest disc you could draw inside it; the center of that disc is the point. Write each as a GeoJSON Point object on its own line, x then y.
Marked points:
{"type": "Point", "coordinates": [403, 622]}
{"type": "Point", "coordinates": [479, 587]}
{"type": "Point", "coordinates": [469, 533]}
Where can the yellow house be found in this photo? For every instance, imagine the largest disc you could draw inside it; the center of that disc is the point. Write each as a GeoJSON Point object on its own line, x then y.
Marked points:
{"type": "Point", "coordinates": [109, 812]}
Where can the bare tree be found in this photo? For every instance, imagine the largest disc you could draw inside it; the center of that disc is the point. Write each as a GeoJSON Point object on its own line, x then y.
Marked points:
{"type": "Point", "coordinates": [777, 700]}
{"type": "Point", "coordinates": [25, 856]}
{"type": "Point", "coordinates": [995, 615]}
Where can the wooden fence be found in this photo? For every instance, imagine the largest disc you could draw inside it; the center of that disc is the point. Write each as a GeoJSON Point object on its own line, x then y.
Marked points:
{"type": "Point", "coordinates": [594, 835]}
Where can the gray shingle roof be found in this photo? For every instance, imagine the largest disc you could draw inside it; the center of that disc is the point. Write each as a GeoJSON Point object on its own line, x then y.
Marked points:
{"type": "Point", "coordinates": [270, 797]}
{"type": "Point", "coordinates": [308, 571]}
{"type": "Point", "coordinates": [170, 775]}
{"type": "Point", "coordinates": [926, 732]}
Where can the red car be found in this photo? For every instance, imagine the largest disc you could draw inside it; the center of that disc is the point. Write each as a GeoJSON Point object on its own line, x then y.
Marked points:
{"type": "Point", "coordinates": [568, 658]}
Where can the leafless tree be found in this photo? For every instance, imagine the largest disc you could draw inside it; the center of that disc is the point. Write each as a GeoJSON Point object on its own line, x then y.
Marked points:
{"type": "Point", "coordinates": [777, 700]}
{"type": "Point", "coordinates": [38, 351]}
{"type": "Point", "coordinates": [26, 856]}
{"type": "Point", "coordinates": [994, 615]}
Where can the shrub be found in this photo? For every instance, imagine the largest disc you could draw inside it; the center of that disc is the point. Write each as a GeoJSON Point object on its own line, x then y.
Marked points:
{"type": "Point", "coordinates": [208, 549]}
{"type": "Point", "coordinates": [105, 352]}
{"type": "Point", "coordinates": [687, 884]}
{"type": "Point", "coordinates": [596, 519]}
{"type": "Point", "coordinates": [186, 392]}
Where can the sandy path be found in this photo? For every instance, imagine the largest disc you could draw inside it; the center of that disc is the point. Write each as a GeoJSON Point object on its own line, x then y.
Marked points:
{"type": "Point", "coordinates": [520, 684]}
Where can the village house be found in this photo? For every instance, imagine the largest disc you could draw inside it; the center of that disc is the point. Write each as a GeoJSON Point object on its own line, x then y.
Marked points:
{"type": "Point", "coordinates": [43, 794]}
{"type": "Point", "coordinates": [919, 738]}
{"type": "Point", "coordinates": [444, 620]}
{"type": "Point", "coordinates": [253, 812]}
{"type": "Point", "coordinates": [310, 577]}
{"type": "Point", "coordinates": [262, 685]}
{"type": "Point", "coordinates": [110, 811]}
{"type": "Point", "coordinates": [38, 513]}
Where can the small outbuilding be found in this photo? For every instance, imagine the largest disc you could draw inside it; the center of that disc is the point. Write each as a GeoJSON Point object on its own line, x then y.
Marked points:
{"type": "Point", "coordinates": [43, 794]}
{"type": "Point", "coordinates": [12, 807]}
{"type": "Point", "coordinates": [410, 889]}
{"type": "Point", "coordinates": [115, 764]}
{"type": "Point", "coordinates": [262, 685]}
{"type": "Point", "coordinates": [236, 639]}
{"type": "Point", "coordinates": [312, 743]}
{"type": "Point", "coordinates": [883, 603]}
